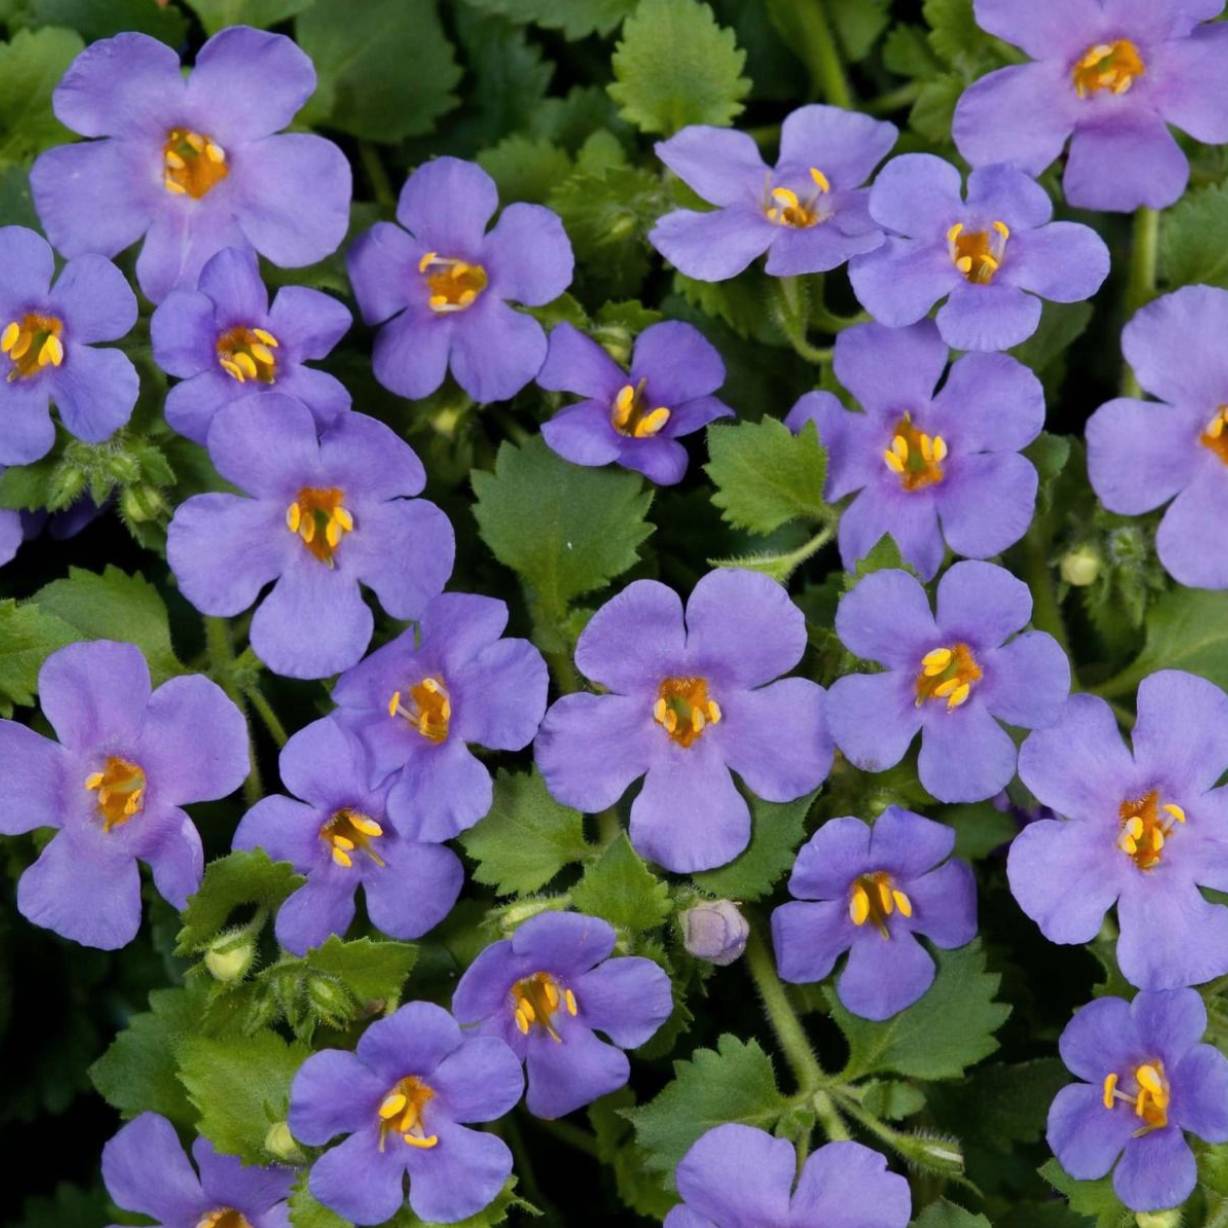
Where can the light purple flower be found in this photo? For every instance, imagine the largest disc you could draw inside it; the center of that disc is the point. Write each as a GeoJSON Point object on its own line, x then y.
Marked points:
{"type": "Point", "coordinates": [339, 837]}
{"type": "Point", "coordinates": [737, 1176]}
{"type": "Point", "coordinates": [546, 991]}
{"type": "Point", "coordinates": [1140, 454]}
{"type": "Point", "coordinates": [12, 532]}
{"type": "Point", "coordinates": [47, 347]}
{"type": "Point", "coordinates": [405, 1098]}
{"type": "Point", "coordinates": [690, 700]}
{"type": "Point", "coordinates": [930, 467]}
{"type": "Point", "coordinates": [417, 702]}
{"type": "Point", "coordinates": [808, 213]}
{"type": "Point", "coordinates": [1143, 829]}
{"type": "Point", "coordinates": [870, 891]}
{"type": "Point", "coordinates": [951, 676]}
{"type": "Point", "coordinates": [1115, 73]}
{"type": "Point", "coordinates": [145, 1170]}
{"type": "Point", "coordinates": [1146, 1080]}
{"type": "Point", "coordinates": [441, 291]}
{"type": "Point", "coordinates": [224, 341]}
{"type": "Point", "coordinates": [191, 164]}
{"type": "Point", "coordinates": [993, 258]}
{"type": "Point", "coordinates": [126, 761]}
{"type": "Point", "coordinates": [714, 930]}
{"type": "Point", "coordinates": [320, 517]}
{"type": "Point", "coordinates": [633, 417]}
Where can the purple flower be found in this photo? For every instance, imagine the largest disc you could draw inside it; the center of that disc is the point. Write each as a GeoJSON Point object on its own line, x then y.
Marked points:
{"type": "Point", "coordinates": [47, 352]}
{"type": "Point", "coordinates": [418, 701]}
{"type": "Point", "coordinates": [1140, 454]}
{"type": "Point", "coordinates": [809, 213]}
{"type": "Point", "coordinates": [323, 517]}
{"type": "Point", "coordinates": [1115, 73]}
{"type": "Point", "coordinates": [444, 287]}
{"type": "Point", "coordinates": [340, 837]}
{"type": "Point", "coordinates": [993, 259]}
{"type": "Point", "coordinates": [1142, 830]}
{"type": "Point", "coordinates": [689, 700]}
{"type": "Point", "coordinates": [223, 341]}
{"type": "Point", "coordinates": [737, 1176]}
{"type": "Point", "coordinates": [921, 459]}
{"type": "Point", "coordinates": [714, 930]}
{"type": "Point", "coordinates": [405, 1098]}
{"type": "Point", "coordinates": [145, 1170]}
{"type": "Point", "coordinates": [869, 891]}
{"type": "Point", "coordinates": [544, 991]}
{"type": "Point", "coordinates": [12, 531]}
{"type": "Point", "coordinates": [126, 761]}
{"type": "Point", "coordinates": [950, 676]}
{"type": "Point", "coordinates": [1146, 1081]}
{"type": "Point", "coordinates": [633, 417]}
{"type": "Point", "coordinates": [191, 164]}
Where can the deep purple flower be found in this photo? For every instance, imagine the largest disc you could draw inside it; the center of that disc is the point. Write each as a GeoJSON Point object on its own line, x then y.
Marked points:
{"type": "Point", "coordinates": [737, 1176]}
{"type": "Point", "coordinates": [417, 702]}
{"type": "Point", "coordinates": [444, 287]}
{"type": "Point", "coordinates": [191, 164]}
{"type": "Point", "coordinates": [923, 459]}
{"type": "Point", "coordinates": [1146, 1081]}
{"type": "Point", "coordinates": [1115, 73]}
{"type": "Point", "coordinates": [145, 1170]}
{"type": "Point", "coordinates": [691, 699]}
{"type": "Point", "coordinates": [950, 676]}
{"type": "Point", "coordinates": [126, 761]}
{"type": "Point", "coordinates": [1140, 454]}
{"type": "Point", "coordinates": [1142, 830]}
{"type": "Point", "coordinates": [11, 533]}
{"type": "Point", "coordinates": [47, 351]}
{"type": "Point", "coordinates": [714, 930]}
{"type": "Point", "coordinates": [869, 891]}
{"type": "Point", "coordinates": [340, 837]}
{"type": "Point", "coordinates": [224, 341]}
{"type": "Point", "coordinates": [324, 516]}
{"type": "Point", "coordinates": [547, 989]}
{"type": "Point", "coordinates": [993, 259]}
{"type": "Point", "coordinates": [405, 1097]}
{"type": "Point", "coordinates": [808, 213]}
{"type": "Point", "coordinates": [633, 417]}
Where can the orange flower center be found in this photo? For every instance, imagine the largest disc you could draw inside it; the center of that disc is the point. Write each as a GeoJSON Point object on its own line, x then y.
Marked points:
{"type": "Point", "coordinates": [224, 1217]}
{"type": "Point", "coordinates": [429, 709]}
{"type": "Point", "coordinates": [247, 353]}
{"type": "Point", "coordinates": [451, 285]}
{"type": "Point", "coordinates": [193, 164]}
{"type": "Point", "coordinates": [631, 415]}
{"type": "Point", "coordinates": [536, 999]}
{"type": "Point", "coordinates": [349, 831]}
{"type": "Point", "coordinates": [914, 456]}
{"type": "Point", "coordinates": [1146, 825]}
{"type": "Point", "coordinates": [401, 1113]}
{"type": "Point", "coordinates": [121, 791]}
{"type": "Point", "coordinates": [684, 710]}
{"type": "Point", "coordinates": [1214, 436]}
{"type": "Point", "coordinates": [948, 673]}
{"type": "Point", "coordinates": [321, 519]}
{"type": "Point", "coordinates": [32, 343]}
{"type": "Point", "coordinates": [1108, 66]}
{"type": "Point", "coordinates": [978, 254]}
{"type": "Point", "coordinates": [786, 208]}
{"type": "Point", "coordinates": [1150, 1095]}
{"type": "Point", "coordinates": [873, 898]}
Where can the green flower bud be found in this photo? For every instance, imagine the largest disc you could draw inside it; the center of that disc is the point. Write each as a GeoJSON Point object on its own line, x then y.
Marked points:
{"type": "Point", "coordinates": [142, 503]}
{"type": "Point", "coordinates": [280, 1142]}
{"type": "Point", "coordinates": [230, 956]}
{"type": "Point", "coordinates": [1158, 1219]}
{"type": "Point", "coordinates": [1081, 566]}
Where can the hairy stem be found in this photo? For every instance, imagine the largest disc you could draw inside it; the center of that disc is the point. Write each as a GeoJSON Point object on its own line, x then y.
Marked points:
{"type": "Point", "coordinates": [1141, 283]}
{"type": "Point", "coordinates": [259, 701]}
{"type": "Point", "coordinates": [377, 176]}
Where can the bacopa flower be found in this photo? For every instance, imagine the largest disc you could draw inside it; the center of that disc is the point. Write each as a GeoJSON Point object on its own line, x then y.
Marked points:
{"type": "Point", "coordinates": [441, 291]}
{"type": "Point", "coordinates": [47, 350]}
{"type": "Point", "coordinates": [633, 417]}
{"type": "Point", "coordinates": [870, 891]}
{"type": "Point", "coordinates": [950, 676]}
{"type": "Point", "coordinates": [191, 164]}
{"type": "Point", "coordinates": [405, 1098]}
{"type": "Point", "coordinates": [339, 837]}
{"type": "Point", "coordinates": [993, 257]}
{"type": "Point", "coordinates": [738, 1175]}
{"type": "Point", "coordinates": [1142, 830]}
{"type": "Point", "coordinates": [224, 341]}
{"type": "Point", "coordinates": [1146, 1081]}
{"type": "Point", "coordinates": [808, 213]}
{"type": "Point", "coordinates": [1115, 73]}
{"type": "Point", "coordinates": [546, 991]}
{"type": "Point", "coordinates": [926, 466]}
{"type": "Point", "coordinates": [716, 931]}
{"type": "Point", "coordinates": [691, 698]}
{"type": "Point", "coordinates": [127, 759]}
{"type": "Point", "coordinates": [145, 1170]}
{"type": "Point", "coordinates": [11, 533]}
{"type": "Point", "coordinates": [320, 516]}
{"type": "Point", "coordinates": [1140, 454]}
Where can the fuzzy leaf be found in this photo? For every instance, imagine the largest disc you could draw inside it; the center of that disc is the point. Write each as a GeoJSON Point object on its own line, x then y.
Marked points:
{"type": "Point", "coordinates": [1095, 1199]}
{"type": "Point", "coordinates": [306, 1212]}
{"type": "Point", "coordinates": [244, 878]}
{"type": "Point", "coordinates": [525, 168]}
{"type": "Point", "coordinates": [373, 970]}
{"type": "Point", "coordinates": [496, 1213]}
{"type": "Point", "coordinates": [621, 889]}
{"type": "Point", "coordinates": [1194, 239]}
{"type": "Point", "coordinates": [31, 66]}
{"type": "Point", "coordinates": [575, 18]}
{"type": "Point", "coordinates": [776, 831]}
{"type": "Point", "coordinates": [94, 19]}
{"type": "Point", "coordinates": [1187, 628]}
{"type": "Point", "coordinates": [216, 14]}
{"type": "Point", "coordinates": [28, 636]}
{"type": "Point", "coordinates": [1002, 1106]}
{"type": "Point", "coordinates": [943, 1214]}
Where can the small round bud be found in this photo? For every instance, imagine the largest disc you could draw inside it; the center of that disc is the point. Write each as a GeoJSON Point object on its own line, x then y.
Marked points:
{"type": "Point", "coordinates": [142, 503]}
{"type": "Point", "coordinates": [715, 931]}
{"type": "Point", "coordinates": [1081, 566]}
{"type": "Point", "coordinates": [330, 999]}
{"type": "Point", "coordinates": [229, 958]}
{"type": "Point", "coordinates": [1158, 1219]}
{"type": "Point", "coordinates": [280, 1142]}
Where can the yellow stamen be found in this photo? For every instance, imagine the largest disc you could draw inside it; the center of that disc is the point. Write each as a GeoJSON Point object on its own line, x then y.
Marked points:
{"type": "Point", "coordinates": [392, 1105]}
{"type": "Point", "coordinates": [536, 1000]}
{"type": "Point", "coordinates": [950, 673]}
{"type": "Point", "coordinates": [246, 353]}
{"type": "Point", "coordinates": [32, 344]}
{"type": "Point", "coordinates": [1177, 813]}
{"type": "Point", "coordinates": [195, 164]}
{"type": "Point", "coordinates": [873, 898]}
{"type": "Point", "coordinates": [859, 905]}
{"type": "Point", "coordinates": [714, 712]}
{"type": "Point", "coordinates": [684, 709]}
{"type": "Point", "coordinates": [1146, 827]}
{"type": "Point", "coordinates": [424, 1144]}
{"type": "Point", "coordinates": [347, 832]}
{"type": "Point", "coordinates": [9, 337]}
{"type": "Point", "coordinates": [572, 1007]}
{"type": "Point", "coordinates": [820, 180]}
{"type": "Point", "coordinates": [651, 423]}
{"type": "Point", "coordinates": [902, 902]}
{"type": "Point", "coordinates": [915, 456]}
{"type": "Point", "coordinates": [320, 519]}
{"type": "Point", "coordinates": [266, 336]}
{"type": "Point", "coordinates": [978, 254]}
{"type": "Point", "coordinates": [1110, 1086]}
{"type": "Point", "coordinates": [1112, 67]}
{"type": "Point", "coordinates": [451, 285]}
{"type": "Point", "coordinates": [400, 1113]}
{"type": "Point", "coordinates": [120, 786]}
{"type": "Point", "coordinates": [429, 710]}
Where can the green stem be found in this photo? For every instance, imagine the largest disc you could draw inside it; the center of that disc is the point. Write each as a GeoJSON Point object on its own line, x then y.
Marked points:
{"type": "Point", "coordinates": [1046, 609]}
{"type": "Point", "coordinates": [373, 165]}
{"type": "Point", "coordinates": [221, 654]}
{"type": "Point", "coordinates": [277, 731]}
{"type": "Point", "coordinates": [565, 1132]}
{"type": "Point", "coordinates": [894, 100]}
{"type": "Point", "coordinates": [792, 313]}
{"type": "Point", "coordinates": [1121, 684]}
{"type": "Point", "coordinates": [804, 24]}
{"type": "Point", "coordinates": [1141, 284]}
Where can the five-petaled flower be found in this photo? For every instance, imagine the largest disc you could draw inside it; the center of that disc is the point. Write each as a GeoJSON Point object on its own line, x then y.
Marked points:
{"type": "Point", "coordinates": [322, 516]}
{"type": "Point", "coordinates": [547, 989]}
{"type": "Point", "coordinates": [127, 759]}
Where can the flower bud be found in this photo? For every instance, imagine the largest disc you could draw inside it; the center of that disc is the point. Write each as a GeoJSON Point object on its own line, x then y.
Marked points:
{"type": "Point", "coordinates": [280, 1142]}
{"type": "Point", "coordinates": [141, 503]}
{"type": "Point", "coordinates": [229, 957]}
{"type": "Point", "coordinates": [715, 931]}
{"type": "Point", "coordinates": [1158, 1219]}
{"type": "Point", "coordinates": [1081, 566]}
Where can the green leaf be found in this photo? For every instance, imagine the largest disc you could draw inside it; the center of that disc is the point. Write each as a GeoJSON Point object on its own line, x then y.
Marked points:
{"type": "Point", "coordinates": [884, 555]}
{"type": "Point", "coordinates": [675, 66]}
{"type": "Point", "coordinates": [524, 168]}
{"type": "Point", "coordinates": [95, 19]}
{"type": "Point", "coordinates": [1194, 239]}
{"type": "Point", "coordinates": [733, 1082]}
{"type": "Point", "coordinates": [640, 1188]}
{"type": "Point", "coordinates": [891, 1100]}
{"type": "Point", "coordinates": [934, 109]}
{"type": "Point", "coordinates": [765, 475]}
{"type": "Point", "coordinates": [943, 1214]}
{"type": "Point", "coordinates": [373, 970]}
{"type": "Point", "coordinates": [858, 24]}
{"type": "Point", "coordinates": [776, 831]}
{"type": "Point", "coordinates": [31, 66]}
{"type": "Point", "coordinates": [306, 1212]}
{"type": "Point", "coordinates": [216, 14]}
{"type": "Point", "coordinates": [907, 53]}
{"type": "Point", "coordinates": [527, 837]}
{"type": "Point", "coordinates": [1061, 324]}
{"type": "Point", "coordinates": [979, 828]}
{"type": "Point", "coordinates": [575, 18]}
{"type": "Point", "coordinates": [495, 1213]}
{"type": "Point", "coordinates": [620, 888]}
{"type": "Point", "coordinates": [1187, 628]}
{"type": "Point", "coordinates": [17, 209]}
{"type": "Point", "coordinates": [243, 878]}
{"type": "Point", "coordinates": [954, 33]}
{"type": "Point", "coordinates": [951, 1028]}
{"type": "Point", "coordinates": [1094, 1199]}
{"type": "Point", "coordinates": [28, 636]}
{"type": "Point", "coordinates": [1002, 1106]}
{"type": "Point", "coordinates": [68, 1206]}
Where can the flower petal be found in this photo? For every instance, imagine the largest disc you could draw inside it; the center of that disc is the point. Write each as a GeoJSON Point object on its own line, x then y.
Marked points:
{"type": "Point", "coordinates": [900, 281]}
{"type": "Point", "coordinates": [447, 203]}
{"type": "Point", "coordinates": [845, 145]}
{"type": "Point", "coordinates": [1043, 28]}
{"type": "Point", "coordinates": [120, 86]}
{"type": "Point", "coordinates": [678, 362]}
{"type": "Point", "coordinates": [505, 696]}
{"type": "Point", "coordinates": [416, 889]}
{"type": "Point", "coordinates": [36, 775]}
{"type": "Point", "coordinates": [1063, 262]}
{"type": "Point", "coordinates": [987, 502]}
{"type": "Point", "coordinates": [1170, 935]}
{"type": "Point", "coordinates": [565, 1077]}
{"type": "Point", "coordinates": [528, 255]}
{"type": "Point", "coordinates": [883, 977]}
{"type": "Point", "coordinates": [1124, 162]}
{"type": "Point", "coordinates": [885, 367]}
{"type": "Point", "coordinates": [982, 604]}
{"type": "Point", "coordinates": [383, 267]}
{"type": "Point", "coordinates": [403, 550]}
{"type": "Point", "coordinates": [842, 1175]}
{"type": "Point", "coordinates": [966, 756]}
{"type": "Point", "coordinates": [359, 1181]}
{"type": "Point", "coordinates": [94, 692]}
{"type": "Point", "coordinates": [628, 999]}
{"type": "Point", "coordinates": [873, 718]}
{"type": "Point", "coordinates": [886, 618]}
{"type": "Point", "coordinates": [635, 639]}
{"type": "Point", "coordinates": [990, 317]}
{"type": "Point", "coordinates": [809, 938]}
{"type": "Point", "coordinates": [576, 363]}
{"type": "Point", "coordinates": [735, 1174]}
{"type": "Point", "coordinates": [440, 793]}
{"type": "Point", "coordinates": [176, 857]}
{"type": "Point", "coordinates": [712, 246]}
{"type": "Point", "coordinates": [411, 354]}
{"type": "Point", "coordinates": [1027, 681]}
{"type": "Point", "coordinates": [1188, 73]}
{"type": "Point", "coordinates": [721, 165]}
{"type": "Point", "coordinates": [1181, 735]}
{"type": "Point", "coordinates": [1085, 1136]}
{"type": "Point", "coordinates": [496, 351]}
{"type": "Point", "coordinates": [145, 1170]}
{"type": "Point", "coordinates": [1181, 541]}
{"type": "Point", "coordinates": [1201, 1105]}
{"type": "Point", "coordinates": [1156, 1171]}
{"type": "Point", "coordinates": [480, 1081]}
{"type": "Point", "coordinates": [1099, 1038]}
{"type": "Point", "coordinates": [95, 391]}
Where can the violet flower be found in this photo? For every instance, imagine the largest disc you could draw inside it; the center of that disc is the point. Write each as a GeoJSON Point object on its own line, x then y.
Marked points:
{"type": "Point", "coordinates": [714, 930]}
{"type": "Point", "coordinates": [12, 532]}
